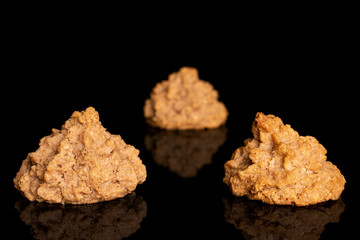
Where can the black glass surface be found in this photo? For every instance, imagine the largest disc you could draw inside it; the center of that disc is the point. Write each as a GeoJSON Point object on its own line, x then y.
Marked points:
{"type": "Point", "coordinates": [184, 196]}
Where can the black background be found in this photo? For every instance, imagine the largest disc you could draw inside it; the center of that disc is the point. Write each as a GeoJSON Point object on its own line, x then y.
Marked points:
{"type": "Point", "coordinates": [308, 84]}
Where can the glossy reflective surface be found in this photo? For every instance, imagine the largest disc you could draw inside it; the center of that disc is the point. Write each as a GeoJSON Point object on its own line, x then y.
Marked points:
{"type": "Point", "coordinates": [117, 219]}
{"type": "Point", "coordinates": [184, 196]}
{"type": "Point", "coordinates": [261, 221]}
{"type": "Point", "coordinates": [184, 152]}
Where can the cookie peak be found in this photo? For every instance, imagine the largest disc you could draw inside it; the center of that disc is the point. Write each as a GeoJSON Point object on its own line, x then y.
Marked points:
{"type": "Point", "coordinates": [185, 74]}
{"type": "Point", "coordinates": [267, 122]}
{"type": "Point", "coordinates": [90, 115]}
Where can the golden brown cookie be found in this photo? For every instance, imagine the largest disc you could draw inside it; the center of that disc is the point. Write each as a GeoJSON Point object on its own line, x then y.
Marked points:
{"type": "Point", "coordinates": [278, 166]}
{"type": "Point", "coordinates": [81, 163]}
{"type": "Point", "coordinates": [184, 102]}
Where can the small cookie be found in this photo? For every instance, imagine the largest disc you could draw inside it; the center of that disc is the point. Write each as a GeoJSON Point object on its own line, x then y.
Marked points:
{"type": "Point", "coordinates": [184, 102]}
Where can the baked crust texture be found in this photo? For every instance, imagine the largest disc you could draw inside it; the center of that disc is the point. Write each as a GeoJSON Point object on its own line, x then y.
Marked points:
{"type": "Point", "coordinates": [278, 166]}
{"type": "Point", "coordinates": [80, 164]}
{"type": "Point", "coordinates": [184, 102]}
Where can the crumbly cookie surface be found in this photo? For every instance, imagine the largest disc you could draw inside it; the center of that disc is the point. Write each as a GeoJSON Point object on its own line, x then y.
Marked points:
{"type": "Point", "coordinates": [278, 166]}
{"type": "Point", "coordinates": [184, 102]}
{"type": "Point", "coordinates": [80, 164]}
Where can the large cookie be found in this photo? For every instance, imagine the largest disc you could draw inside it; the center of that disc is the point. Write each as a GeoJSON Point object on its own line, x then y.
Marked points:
{"type": "Point", "coordinates": [81, 163]}
{"type": "Point", "coordinates": [278, 166]}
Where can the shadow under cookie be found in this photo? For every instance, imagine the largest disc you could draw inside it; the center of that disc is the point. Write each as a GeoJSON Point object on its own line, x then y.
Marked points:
{"type": "Point", "coordinates": [258, 220]}
{"type": "Point", "coordinates": [184, 152]}
{"type": "Point", "coordinates": [116, 219]}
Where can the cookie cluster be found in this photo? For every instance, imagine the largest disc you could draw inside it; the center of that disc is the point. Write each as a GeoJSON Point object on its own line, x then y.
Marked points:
{"type": "Point", "coordinates": [83, 163]}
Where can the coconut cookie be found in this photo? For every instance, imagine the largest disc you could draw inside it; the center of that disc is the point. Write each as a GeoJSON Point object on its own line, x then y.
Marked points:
{"type": "Point", "coordinates": [184, 102]}
{"type": "Point", "coordinates": [278, 166]}
{"type": "Point", "coordinates": [80, 164]}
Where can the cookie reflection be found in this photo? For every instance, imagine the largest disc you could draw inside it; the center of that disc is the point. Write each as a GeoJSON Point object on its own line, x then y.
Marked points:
{"type": "Point", "coordinates": [116, 219]}
{"type": "Point", "coordinates": [257, 220]}
{"type": "Point", "coordinates": [184, 152]}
